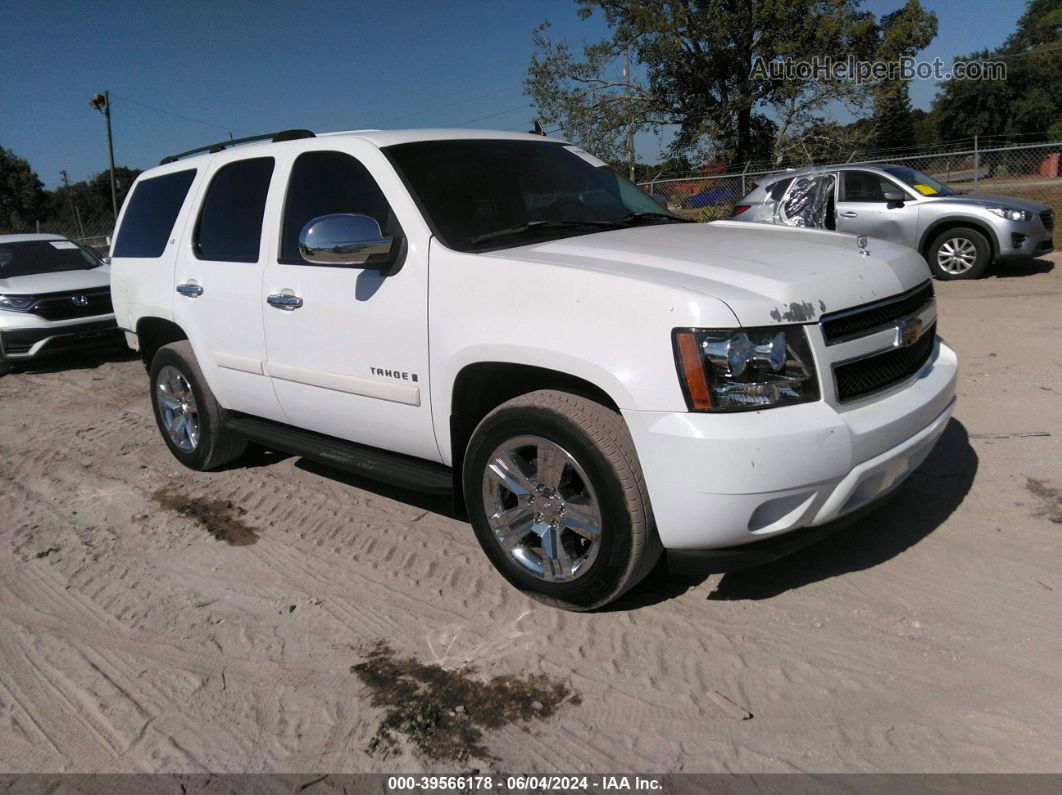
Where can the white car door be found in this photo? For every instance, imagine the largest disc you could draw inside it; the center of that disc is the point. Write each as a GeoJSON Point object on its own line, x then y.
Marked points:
{"type": "Point", "coordinates": [218, 278]}
{"type": "Point", "coordinates": [347, 346]}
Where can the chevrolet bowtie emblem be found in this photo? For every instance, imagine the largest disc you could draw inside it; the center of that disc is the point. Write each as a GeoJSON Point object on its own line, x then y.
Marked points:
{"type": "Point", "coordinates": [908, 331]}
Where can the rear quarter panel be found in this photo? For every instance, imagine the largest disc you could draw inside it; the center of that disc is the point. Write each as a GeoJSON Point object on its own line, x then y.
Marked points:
{"type": "Point", "coordinates": [144, 287]}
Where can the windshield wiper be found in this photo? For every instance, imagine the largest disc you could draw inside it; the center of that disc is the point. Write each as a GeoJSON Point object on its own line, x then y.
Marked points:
{"type": "Point", "coordinates": [633, 218]}
{"type": "Point", "coordinates": [530, 226]}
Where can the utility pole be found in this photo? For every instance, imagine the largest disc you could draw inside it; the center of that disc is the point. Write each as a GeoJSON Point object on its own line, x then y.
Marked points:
{"type": "Point", "coordinates": [102, 103]}
{"type": "Point", "coordinates": [630, 109]}
{"type": "Point", "coordinates": [70, 201]}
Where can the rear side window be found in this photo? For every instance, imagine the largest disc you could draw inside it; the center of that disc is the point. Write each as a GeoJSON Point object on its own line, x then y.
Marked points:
{"type": "Point", "coordinates": [230, 223]}
{"type": "Point", "coordinates": [152, 210]}
{"type": "Point", "coordinates": [778, 188]}
{"type": "Point", "coordinates": [323, 183]}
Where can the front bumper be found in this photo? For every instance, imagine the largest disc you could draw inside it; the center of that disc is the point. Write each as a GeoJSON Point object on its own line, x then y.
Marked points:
{"type": "Point", "coordinates": [30, 340]}
{"type": "Point", "coordinates": [718, 481]}
{"type": "Point", "coordinates": [1024, 240]}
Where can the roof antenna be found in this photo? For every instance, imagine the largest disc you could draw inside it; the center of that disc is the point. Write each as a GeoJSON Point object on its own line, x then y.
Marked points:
{"type": "Point", "coordinates": [537, 129]}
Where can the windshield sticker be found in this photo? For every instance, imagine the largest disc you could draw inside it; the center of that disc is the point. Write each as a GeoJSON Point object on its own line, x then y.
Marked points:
{"type": "Point", "coordinates": [589, 158]}
{"type": "Point", "coordinates": [925, 190]}
{"type": "Point", "coordinates": [62, 244]}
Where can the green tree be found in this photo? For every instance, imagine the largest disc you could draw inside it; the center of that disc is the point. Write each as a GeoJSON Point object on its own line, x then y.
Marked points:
{"type": "Point", "coordinates": [893, 118]}
{"type": "Point", "coordinates": [1029, 101]}
{"type": "Point", "coordinates": [21, 194]}
{"type": "Point", "coordinates": [703, 66]}
{"type": "Point", "coordinates": [86, 205]}
{"type": "Point", "coordinates": [901, 34]}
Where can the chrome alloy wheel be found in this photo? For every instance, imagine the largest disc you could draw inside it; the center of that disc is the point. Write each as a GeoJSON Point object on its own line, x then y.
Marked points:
{"type": "Point", "coordinates": [177, 408]}
{"type": "Point", "coordinates": [542, 508]}
{"type": "Point", "coordinates": [956, 255]}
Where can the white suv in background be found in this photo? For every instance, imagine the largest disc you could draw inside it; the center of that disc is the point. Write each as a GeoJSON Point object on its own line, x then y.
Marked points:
{"type": "Point", "coordinates": [54, 296]}
{"type": "Point", "coordinates": [504, 317]}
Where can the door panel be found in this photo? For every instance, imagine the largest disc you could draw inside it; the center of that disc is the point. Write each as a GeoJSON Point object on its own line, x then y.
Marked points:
{"type": "Point", "coordinates": [863, 210]}
{"type": "Point", "coordinates": [218, 280]}
{"type": "Point", "coordinates": [352, 360]}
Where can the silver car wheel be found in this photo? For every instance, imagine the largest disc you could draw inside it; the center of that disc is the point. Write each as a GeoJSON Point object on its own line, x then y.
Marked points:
{"type": "Point", "coordinates": [956, 255]}
{"type": "Point", "coordinates": [542, 508]}
{"type": "Point", "coordinates": [176, 401]}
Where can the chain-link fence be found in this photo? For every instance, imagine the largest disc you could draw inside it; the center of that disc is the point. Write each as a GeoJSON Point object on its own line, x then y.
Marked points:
{"type": "Point", "coordinates": [1028, 171]}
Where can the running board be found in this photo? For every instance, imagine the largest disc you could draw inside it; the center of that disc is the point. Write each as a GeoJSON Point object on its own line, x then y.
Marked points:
{"type": "Point", "coordinates": [369, 462]}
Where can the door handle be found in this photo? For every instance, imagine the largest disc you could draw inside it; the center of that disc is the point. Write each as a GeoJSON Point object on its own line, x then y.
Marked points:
{"type": "Point", "coordinates": [849, 214]}
{"type": "Point", "coordinates": [286, 300]}
{"type": "Point", "coordinates": [190, 289]}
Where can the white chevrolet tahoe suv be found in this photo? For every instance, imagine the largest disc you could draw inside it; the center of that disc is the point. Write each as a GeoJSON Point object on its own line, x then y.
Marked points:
{"type": "Point", "coordinates": [504, 317]}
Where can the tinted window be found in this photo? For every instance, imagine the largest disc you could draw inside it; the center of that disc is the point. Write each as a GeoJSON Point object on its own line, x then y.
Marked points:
{"type": "Point", "coordinates": [152, 210]}
{"type": "Point", "coordinates": [862, 186]}
{"type": "Point", "coordinates": [473, 191]}
{"type": "Point", "coordinates": [230, 223]}
{"type": "Point", "coordinates": [323, 183]}
{"type": "Point", "coordinates": [44, 256]}
{"type": "Point", "coordinates": [778, 188]}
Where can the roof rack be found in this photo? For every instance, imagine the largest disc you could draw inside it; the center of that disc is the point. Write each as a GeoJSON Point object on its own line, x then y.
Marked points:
{"type": "Point", "coordinates": [283, 135]}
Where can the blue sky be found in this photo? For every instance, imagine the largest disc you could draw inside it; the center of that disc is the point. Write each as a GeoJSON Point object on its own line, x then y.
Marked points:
{"type": "Point", "coordinates": [260, 66]}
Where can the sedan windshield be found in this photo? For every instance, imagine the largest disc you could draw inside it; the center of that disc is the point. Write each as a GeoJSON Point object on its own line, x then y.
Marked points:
{"type": "Point", "coordinates": [923, 183]}
{"type": "Point", "coordinates": [488, 194]}
{"type": "Point", "coordinates": [29, 257]}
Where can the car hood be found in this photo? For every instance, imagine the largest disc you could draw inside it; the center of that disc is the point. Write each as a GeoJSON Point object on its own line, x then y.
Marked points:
{"type": "Point", "coordinates": [990, 200]}
{"type": "Point", "coordinates": [58, 281]}
{"type": "Point", "coordinates": [766, 274]}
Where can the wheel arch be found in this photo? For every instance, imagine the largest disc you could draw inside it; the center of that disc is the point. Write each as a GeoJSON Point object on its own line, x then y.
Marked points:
{"type": "Point", "coordinates": [944, 224]}
{"type": "Point", "coordinates": [154, 332]}
{"type": "Point", "coordinates": [480, 387]}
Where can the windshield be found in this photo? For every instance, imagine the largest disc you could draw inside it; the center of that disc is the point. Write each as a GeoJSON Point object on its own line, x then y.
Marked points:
{"type": "Point", "coordinates": [29, 257]}
{"type": "Point", "coordinates": [923, 183]}
{"type": "Point", "coordinates": [483, 194]}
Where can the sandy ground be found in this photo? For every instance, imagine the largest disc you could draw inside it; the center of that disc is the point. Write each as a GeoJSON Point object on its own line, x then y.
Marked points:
{"type": "Point", "coordinates": [156, 619]}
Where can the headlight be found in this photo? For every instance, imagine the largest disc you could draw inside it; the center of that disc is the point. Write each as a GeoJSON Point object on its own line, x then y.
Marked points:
{"type": "Point", "coordinates": [751, 368]}
{"type": "Point", "coordinates": [1011, 214]}
{"type": "Point", "coordinates": [17, 303]}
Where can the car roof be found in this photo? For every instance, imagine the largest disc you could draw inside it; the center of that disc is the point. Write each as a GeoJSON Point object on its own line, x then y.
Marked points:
{"type": "Point", "coordinates": [394, 137]}
{"type": "Point", "coordinates": [28, 237]}
{"type": "Point", "coordinates": [811, 170]}
{"type": "Point", "coordinates": [378, 138]}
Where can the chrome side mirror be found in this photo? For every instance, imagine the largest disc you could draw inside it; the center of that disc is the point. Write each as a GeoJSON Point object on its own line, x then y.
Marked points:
{"type": "Point", "coordinates": [342, 239]}
{"type": "Point", "coordinates": [895, 196]}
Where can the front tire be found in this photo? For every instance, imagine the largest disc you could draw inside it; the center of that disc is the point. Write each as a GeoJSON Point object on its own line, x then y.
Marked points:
{"type": "Point", "coordinates": [188, 416]}
{"type": "Point", "coordinates": [960, 253]}
{"type": "Point", "coordinates": [557, 499]}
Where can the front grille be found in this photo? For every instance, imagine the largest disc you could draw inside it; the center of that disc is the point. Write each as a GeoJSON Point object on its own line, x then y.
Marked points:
{"type": "Point", "coordinates": [63, 306]}
{"type": "Point", "coordinates": [882, 370]}
{"type": "Point", "coordinates": [1048, 218]}
{"type": "Point", "coordinates": [840, 326]}
{"type": "Point", "coordinates": [19, 341]}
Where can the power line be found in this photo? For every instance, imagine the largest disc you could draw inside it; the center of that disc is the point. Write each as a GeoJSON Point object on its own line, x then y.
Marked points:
{"type": "Point", "coordinates": [492, 115]}
{"type": "Point", "coordinates": [179, 115]}
{"type": "Point", "coordinates": [1009, 56]}
{"type": "Point", "coordinates": [458, 102]}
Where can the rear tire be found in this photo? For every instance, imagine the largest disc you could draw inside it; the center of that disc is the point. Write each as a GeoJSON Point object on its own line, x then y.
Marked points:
{"type": "Point", "coordinates": [960, 253]}
{"type": "Point", "coordinates": [587, 535]}
{"type": "Point", "coordinates": [188, 415]}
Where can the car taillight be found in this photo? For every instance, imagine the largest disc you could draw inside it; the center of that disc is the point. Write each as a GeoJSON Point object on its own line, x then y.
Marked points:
{"type": "Point", "coordinates": [740, 209]}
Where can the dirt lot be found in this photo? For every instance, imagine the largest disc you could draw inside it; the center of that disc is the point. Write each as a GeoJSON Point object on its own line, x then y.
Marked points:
{"type": "Point", "coordinates": [279, 617]}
